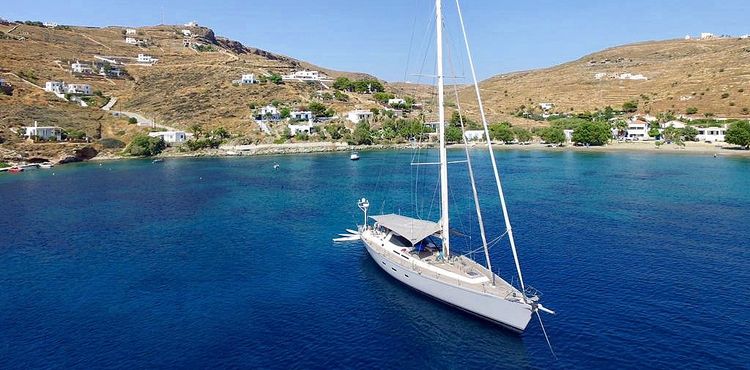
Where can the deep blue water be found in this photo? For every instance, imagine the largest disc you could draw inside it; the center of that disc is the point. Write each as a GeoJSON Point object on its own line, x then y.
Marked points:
{"type": "Point", "coordinates": [229, 263]}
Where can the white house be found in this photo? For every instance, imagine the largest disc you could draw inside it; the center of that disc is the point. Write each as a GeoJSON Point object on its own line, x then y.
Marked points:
{"type": "Point", "coordinates": [187, 33]}
{"type": "Point", "coordinates": [630, 76]}
{"type": "Point", "coordinates": [546, 106]}
{"type": "Point", "coordinates": [56, 87]}
{"type": "Point", "coordinates": [396, 101]}
{"type": "Point", "coordinates": [687, 37]}
{"type": "Point", "coordinates": [637, 130]}
{"type": "Point", "coordinates": [305, 76]}
{"type": "Point", "coordinates": [43, 132]}
{"type": "Point", "coordinates": [673, 123]}
{"type": "Point", "coordinates": [170, 137]}
{"type": "Point", "coordinates": [79, 67]}
{"type": "Point", "coordinates": [297, 115]}
{"type": "Point", "coordinates": [358, 115]}
{"type": "Point", "coordinates": [296, 129]}
{"type": "Point", "coordinates": [269, 112]}
{"type": "Point", "coordinates": [146, 59]}
{"type": "Point", "coordinates": [130, 31]}
{"type": "Point", "coordinates": [474, 135]}
{"type": "Point", "coordinates": [49, 24]}
{"type": "Point", "coordinates": [191, 24]}
{"type": "Point", "coordinates": [131, 41]}
{"type": "Point", "coordinates": [81, 89]}
{"type": "Point", "coordinates": [711, 134]}
{"type": "Point", "coordinates": [707, 35]}
{"type": "Point", "coordinates": [247, 79]}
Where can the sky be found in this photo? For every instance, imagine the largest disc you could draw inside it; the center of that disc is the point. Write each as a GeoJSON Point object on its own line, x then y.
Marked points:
{"type": "Point", "coordinates": [389, 38]}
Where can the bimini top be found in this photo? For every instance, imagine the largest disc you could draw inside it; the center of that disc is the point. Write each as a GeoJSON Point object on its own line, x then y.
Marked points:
{"type": "Point", "coordinates": [412, 229]}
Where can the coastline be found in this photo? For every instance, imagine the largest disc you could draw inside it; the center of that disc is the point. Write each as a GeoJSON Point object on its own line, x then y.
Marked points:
{"type": "Point", "coordinates": [694, 148]}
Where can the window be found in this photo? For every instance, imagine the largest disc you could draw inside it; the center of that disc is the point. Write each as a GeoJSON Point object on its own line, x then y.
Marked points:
{"type": "Point", "coordinates": [400, 241]}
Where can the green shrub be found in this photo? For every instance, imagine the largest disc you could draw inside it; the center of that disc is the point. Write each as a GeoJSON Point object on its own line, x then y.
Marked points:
{"type": "Point", "coordinates": [111, 143]}
{"type": "Point", "coordinates": [145, 146]}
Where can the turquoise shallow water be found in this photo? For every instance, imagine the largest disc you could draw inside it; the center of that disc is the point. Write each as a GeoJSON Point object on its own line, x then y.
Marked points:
{"type": "Point", "coordinates": [229, 263]}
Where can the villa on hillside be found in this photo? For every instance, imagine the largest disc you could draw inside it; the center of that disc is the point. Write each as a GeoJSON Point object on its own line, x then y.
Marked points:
{"type": "Point", "coordinates": [78, 89]}
{"type": "Point", "coordinates": [43, 132]}
{"type": "Point", "coordinates": [297, 129]}
{"type": "Point", "coordinates": [146, 59]}
{"type": "Point", "coordinates": [358, 115]}
{"type": "Point", "coordinates": [305, 76]}
{"type": "Point", "coordinates": [298, 115]}
{"type": "Point", "coordinates": [56, 87]}
{"type": "Point", "coordinates": [81, 68]}
{"type": "Point", "coordinates": [711, 134]}
{"type": "Point", "coordinates": [245, 79]}
{"type": "Point", "coordinates": [131, 41]}
{"type": "Point", "coordinates": [50, 24]}
{"type": "Point", "coordinates": [707, 35]}
{"type": "Point", "coordinates": [269, 113]}
{"type": "Point", "coordinates": [191, 24]}
{"type": "Point", "coordinates": [170, 137]}
{"type": "Point", "coordinates": [131, 31]}
{"type": "Point", "coordinates": [396, 101]}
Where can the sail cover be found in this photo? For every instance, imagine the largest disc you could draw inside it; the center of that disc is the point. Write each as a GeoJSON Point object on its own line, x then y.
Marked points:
{"type": "Point", "coordinates": [410, 228]}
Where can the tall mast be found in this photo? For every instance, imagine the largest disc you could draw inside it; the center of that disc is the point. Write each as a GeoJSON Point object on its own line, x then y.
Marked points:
{"type": "Point", "coordinates": [445, 224]}
{"type": "Point", "coordinates": [492, 154]}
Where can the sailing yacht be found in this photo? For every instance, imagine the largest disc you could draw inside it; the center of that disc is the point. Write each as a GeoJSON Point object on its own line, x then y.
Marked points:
{"type": "Point", "coordinates": [418, 252]}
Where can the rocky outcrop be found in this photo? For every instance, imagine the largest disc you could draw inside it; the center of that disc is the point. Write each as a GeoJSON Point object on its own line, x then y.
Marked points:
{"type": "Point", "coordinates": [79, 155]}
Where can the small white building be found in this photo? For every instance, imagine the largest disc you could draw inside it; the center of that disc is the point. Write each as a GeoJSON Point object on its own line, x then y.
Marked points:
{"type": "Point", "coordinates": [630, 76]}
{"type": "Point", "coordinates": [396, 101]}
{"type": "Point", "coordinates": [187, 33]}
{"type": "Point", "coordinates": [711, 134]}
{"type": "Point", "coordinates": [298, 129]}
{"type": "Point", "coordinates": [131, 31]}
{"type": "Point", "coordinates": [247, 79]}
{"type": "Point", "coordinates": [474, 135]}
{"type": "Point", "coordinates": [359, 115]}
{"type": "Point", "coordinates": [305, 76]}
{"type": "Point", "coordinates": [146, 59]}
{"type": "Point", "coordinates": [131, 41]}
{"type": "Point", "coordinates": [673, 123]}
{"type": "Point", "coordinates": [170, 137]}
{"type": "Point", "coordinates": [43, 132]}
{"type": "Point", "coordinates": [56, 87]}
{"type": "Point", "coordinates": [687, 37]}
{"type": "Point", "coordinates": [79, 89]}
{"type": "Point", "coordinates": [49, 24]}
{"type": "Point", "coordinates": [83, 68]}
{"type": "Point", "coordinates": [637, 130]}
{"type": "Point", "coordinates": [269, 112]}
{"type": "Point", "coordinates": [191, 24]}
{"type": "Point", "coordinates": [707, 35]}
{"type": "Point", "coordinates": [546, 106]}
{"type": "Point", "coordinates": [301, 115]}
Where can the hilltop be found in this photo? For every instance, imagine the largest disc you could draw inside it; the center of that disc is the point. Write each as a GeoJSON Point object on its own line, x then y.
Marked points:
{"type": "Point", "coordinates": [710, 76]}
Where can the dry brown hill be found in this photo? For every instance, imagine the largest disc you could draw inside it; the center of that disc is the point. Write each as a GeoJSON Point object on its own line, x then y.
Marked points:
{"type": "Point", "coordinates": [710, 75]}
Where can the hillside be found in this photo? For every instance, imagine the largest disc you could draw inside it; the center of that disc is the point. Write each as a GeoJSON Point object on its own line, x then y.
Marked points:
{"type": "Point", "coordinates": [184, 87]}
{"type": "Point", "coordinates": [710, 75]}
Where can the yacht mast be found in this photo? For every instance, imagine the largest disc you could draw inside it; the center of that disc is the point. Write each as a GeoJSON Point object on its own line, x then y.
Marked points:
{"type": "Point", "coordinates": [445, 224]}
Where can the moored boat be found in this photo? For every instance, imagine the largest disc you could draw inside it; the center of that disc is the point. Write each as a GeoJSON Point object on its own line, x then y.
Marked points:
{"type": "Point", "coordinates": [354, 156]}
{"type": "Point", "coordinates": [15, 169]}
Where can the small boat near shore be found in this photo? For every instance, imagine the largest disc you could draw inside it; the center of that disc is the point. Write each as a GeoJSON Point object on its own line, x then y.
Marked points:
{"type": "Point", "coordinates": [354, 156]}
{"type": "Point", "coordinates": [46, 165]}
{"type": "Point", "coordinates": [158, 160]}
{"type": "Point", "coordinates": [15, 169]}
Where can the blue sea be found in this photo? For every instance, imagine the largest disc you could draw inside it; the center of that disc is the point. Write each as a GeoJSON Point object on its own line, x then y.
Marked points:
{"type": "Point", "coordinates": [229, 263]}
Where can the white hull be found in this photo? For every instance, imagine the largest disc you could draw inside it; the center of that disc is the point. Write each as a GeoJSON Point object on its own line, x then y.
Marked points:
{"type": "Point", "coordinates": [509, 314]}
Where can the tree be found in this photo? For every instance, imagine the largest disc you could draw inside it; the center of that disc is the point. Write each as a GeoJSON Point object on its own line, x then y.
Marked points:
{"type": "Point", "coordinates": [630, 106]}
{"type": "Point", "coordinates": [453, 134]}
{"type": "Point", "coordinates": [343, 83]}
{"type": "Point", "coordinates": [501, 132]}
{"type": "Point", "coordinates": [689, 133]}
{"type": "Point", "coordinates": [145, 146]}
{"type": "Point", "coordinates": [670, 133]}
{"type": "Point", "coordinates": [691, 110]}
{"type": "Point", "coordinates": [285, 112]}
{"type": "Point", "coordinates": [220, 133]}
{"type": "Point", "coordinates": [553, 135]}
{"type": "Point", "coordinates": [276, 78]}
{"type": "Point", "coordinates": [318, 109]}
{"type": "Point", "coordinates": [196, 129]}
{"type": "Point", "coordinates": [592, 133]}
{"type": "Point", "coordinates": [383, 97]}
{"type": "Point", "coordinates": [621, 126]}
{"type": "Point", "coordinates": [654, 132]}
{"type": "Point", "coordinates": [338, 95]}
{"type": "Point", "coordinates": [738, 133]}
{"type": "Point", "coordinates": [362, 134]}
{"type": "Point", "coordinates": [335, 131]}
{"type": "Point", "coordinates": [522, 135]}
{"type": "Point", "coordinates": [132, 120]}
